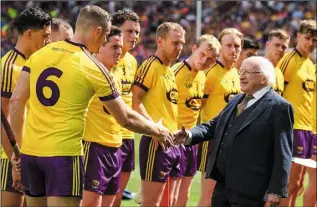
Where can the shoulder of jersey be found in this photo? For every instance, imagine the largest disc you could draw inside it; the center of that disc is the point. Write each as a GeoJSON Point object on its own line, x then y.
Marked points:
{"type": "Point", "coordinates": [210, 68]}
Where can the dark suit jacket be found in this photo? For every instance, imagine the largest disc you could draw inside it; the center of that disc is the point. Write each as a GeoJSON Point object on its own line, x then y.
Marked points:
{"type": "Point", "coordinates": [261, 153]}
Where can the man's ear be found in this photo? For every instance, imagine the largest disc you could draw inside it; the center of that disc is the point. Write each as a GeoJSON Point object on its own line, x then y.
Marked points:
{"type": "Point", "coordinates": [98, 32]}
{"type": "Point", "coordinates": [28, 33]}
{"type": "Point", "coordinates": [194, 48]}
{"type": "Point", "coordinates": [159, 41]}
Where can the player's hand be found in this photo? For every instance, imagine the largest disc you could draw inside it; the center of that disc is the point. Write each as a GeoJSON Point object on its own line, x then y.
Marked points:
{"type": "Point", "coordinates": [272, 200]}
{"type": "Point", "coordinates": [180, 136]}
{"type": "Point", "coordinates": [16, 178]}
{"type": "Point", "coordinates": [165, 139]}
{"type": "Point", "coordinates": [16, 162]}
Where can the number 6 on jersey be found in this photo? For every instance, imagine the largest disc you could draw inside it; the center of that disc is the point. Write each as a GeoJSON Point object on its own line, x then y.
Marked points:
{"type": "Point", "coordinates": [43, 82]}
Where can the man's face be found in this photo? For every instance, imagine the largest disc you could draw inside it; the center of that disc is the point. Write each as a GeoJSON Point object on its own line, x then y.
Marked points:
{"type": "Point", "coordinates": [131, 32]}
{"type": "Point", "coordinates": [203, 56]}
{"type": "Point", "coordinates": [245, 53]}
{"type": "Point", "coordinates": [230, 47]}
{"type": "Point", "coordinates": [64, 33]}
{"type": "Point", "coordinates": [276, 47]}
{"type": "Point", "coordinates": [111, 51]}
{"type": "Point", "coordinates": [251, 77]}
{"type": "Point", "coordinates": [39, 38]}
{"type": "Point", "coordinates": [173, 44]}
{"type": "Point", "coordinates": [306, 42]}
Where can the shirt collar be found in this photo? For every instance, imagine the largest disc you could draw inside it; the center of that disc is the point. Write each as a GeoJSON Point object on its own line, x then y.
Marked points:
{"type": "Point", "coordinates": [257, 95]}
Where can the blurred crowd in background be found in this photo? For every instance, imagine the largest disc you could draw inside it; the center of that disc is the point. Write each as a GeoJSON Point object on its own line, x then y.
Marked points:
{"type": "Point", "coordinates": [254, 18]}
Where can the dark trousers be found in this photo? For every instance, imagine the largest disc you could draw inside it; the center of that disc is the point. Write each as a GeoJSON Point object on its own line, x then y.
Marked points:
{"type": "Point", "coordinates": [227, 198]}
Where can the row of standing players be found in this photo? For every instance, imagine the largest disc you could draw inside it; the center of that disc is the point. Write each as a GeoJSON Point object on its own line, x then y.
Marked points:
{"type": "Point", "coordinates": [185, 87]}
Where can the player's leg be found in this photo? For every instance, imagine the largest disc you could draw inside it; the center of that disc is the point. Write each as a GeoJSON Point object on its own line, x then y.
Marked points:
{"type": "Point", "coordinates": [36, 201]}
{"type": "Point", "coordinates": [310, 192]}
{"type": "Point", "coordinates": [190, 160]}
{"type": "Point", "coordinates": [206, 190]}
{"type": "Point", "coordinates": [207, 185]}
{"type": "Point", "coordinates": [9, 196]}
{"type": "Point", "coordinates": [151, 193]}
{"type": "Point", "coordinates": [310, 198]}
{"type": "Point", "coordinates": [102, 169]}
{"type": "Point", "coordinates": [174, 187]}
{"type": "Point", "coordinates": [297, 173]}
{"type": "Point", "coordinates": [63, 201]}
{"type": "Point", "coordinates": [127, 166]}
{"type": "Point", "coordinates": [155, 166]}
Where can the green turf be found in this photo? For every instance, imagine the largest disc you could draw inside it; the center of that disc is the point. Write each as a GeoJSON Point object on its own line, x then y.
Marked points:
{"type": "Point", "coordinates": [134, 183]}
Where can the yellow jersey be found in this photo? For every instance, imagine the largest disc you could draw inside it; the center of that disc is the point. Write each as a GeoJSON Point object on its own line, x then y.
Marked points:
{"type": "Point", "coordinates": [279, 85]}
{"type": "Point", "coordinates": [190, 85]}
{"type": "Point", "coordinates": [300, 84]}
{"type": "Point", "coordinates": [11, 66]}
{"type": "Point", "coordinates": [100, 126]}
{"type": "Point", "coordinates": [125, 71]}
{"type": "Point", "coordinates": [160, 99]}
{"type": "Point", "coordinates": [221, 85]}
{"type": "Point", "coordinates": [63, 78]}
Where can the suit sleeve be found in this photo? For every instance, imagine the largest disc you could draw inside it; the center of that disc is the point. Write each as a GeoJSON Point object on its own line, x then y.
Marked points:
{"type": "Point", "coordinates": [204, 131]}
{"type": "Point", "coordinates": [283, 145]}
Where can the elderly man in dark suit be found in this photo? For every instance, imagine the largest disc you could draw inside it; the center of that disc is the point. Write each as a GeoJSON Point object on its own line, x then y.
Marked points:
{"type": "Point", "coordinates": [253, 141]}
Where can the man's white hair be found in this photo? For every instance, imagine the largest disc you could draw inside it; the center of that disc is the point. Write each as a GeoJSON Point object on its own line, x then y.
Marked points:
{"type": "Point", "coordinates": [266, 67]}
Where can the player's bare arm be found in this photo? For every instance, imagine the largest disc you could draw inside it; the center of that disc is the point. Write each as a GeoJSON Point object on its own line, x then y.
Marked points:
{"type": "Point", "coordinates": [133, 121]}
{"type": "Point", "coordinates": [137, 94]}
{"type": "Point", "coordinates": [17, 105]}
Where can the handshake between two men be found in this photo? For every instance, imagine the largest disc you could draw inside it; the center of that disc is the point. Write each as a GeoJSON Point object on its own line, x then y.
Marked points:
{"type": "Point", "coordinates": [168, 139]}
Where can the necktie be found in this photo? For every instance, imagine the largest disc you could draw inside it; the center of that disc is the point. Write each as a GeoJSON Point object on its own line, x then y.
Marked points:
{"type": "Point", "coordinates": [241, 106]}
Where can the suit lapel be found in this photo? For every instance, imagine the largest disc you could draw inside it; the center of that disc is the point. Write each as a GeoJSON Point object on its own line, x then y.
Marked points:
{"type": "Point", "coordinates": [260, 108]}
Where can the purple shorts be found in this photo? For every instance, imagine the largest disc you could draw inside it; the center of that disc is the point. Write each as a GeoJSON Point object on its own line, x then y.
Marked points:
{"type": "Point", "coordinates": [158, 165]}
{"type": "Point", "coordinates": [188, 163]}
{"type": "Point", "coordinates": [6, 177]}
{"type": "Point", "coordinates": [127, 155]}
{"type": "Point", "coordinates": [52, 176]}
{"type": "Point", "coordinates": [314, 137]}
{"type": "Point", "coordinates": [102, 167]}
{"type": "Point", "coordinates": [204, 148]}
{"type": "Point", "coordinates": [304, 144]}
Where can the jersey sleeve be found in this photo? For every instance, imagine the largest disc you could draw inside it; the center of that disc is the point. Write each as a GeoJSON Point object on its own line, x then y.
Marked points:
{"type": "Point", "coordinates": [9, 76]}
{"type": "Point", "coordinates": [102, 83]}
{"type": "Point", "coordinates": [144, 76]}
{"type": "Point", "coordinates": [287, 66]}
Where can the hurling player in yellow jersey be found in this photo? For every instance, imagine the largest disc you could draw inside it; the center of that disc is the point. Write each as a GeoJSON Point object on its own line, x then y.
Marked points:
{"type": "Point", "coordinates": [59, 80]}
{"type": "Point", "coordinates": [300, 84]}
{"type": "Point", "coordinates": [222, 83]}
{"type": "Point", "coordinates": [190, 81]}
{"type": "Point", "coordinates": [155, 97]}
{"type": "Point", "coordinates": [129, 23]}
{"type": "Point", "coordinates": [34, 28]}
{"type": "Point", "coordinates": [275, 48]}
{"type": "Point", "coordinates": [102, 137]}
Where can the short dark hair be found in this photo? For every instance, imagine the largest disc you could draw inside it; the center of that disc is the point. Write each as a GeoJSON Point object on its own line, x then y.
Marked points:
{"type": "Point", "coordinates": [120, 17]}
{"type": "Point", "coordinates": [57, 22]}
{"type": "Point", "coordinates": [250, 43]}
{"type": "Point", "coordinates": [32, 18]}
{"type": "Point", "coordinates": [114, 31]}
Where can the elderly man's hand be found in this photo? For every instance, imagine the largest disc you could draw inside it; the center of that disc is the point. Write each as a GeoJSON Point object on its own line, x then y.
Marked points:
{"type": "Point", "coordinates": [180, 136]}
{"type": "Point", "coordinates": [273, 200]}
